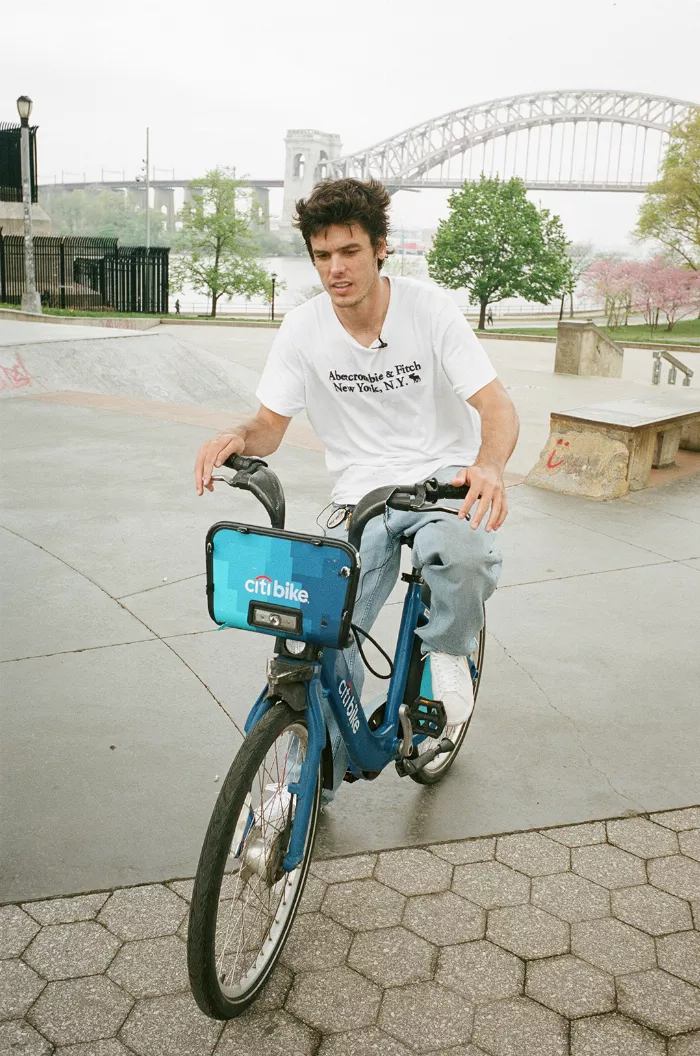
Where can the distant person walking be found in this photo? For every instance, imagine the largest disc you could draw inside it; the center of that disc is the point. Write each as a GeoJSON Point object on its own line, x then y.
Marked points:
{"type": "Point", "coordinates": [489, 318]}
{"type": "Point", "coordinates": [177, 307]}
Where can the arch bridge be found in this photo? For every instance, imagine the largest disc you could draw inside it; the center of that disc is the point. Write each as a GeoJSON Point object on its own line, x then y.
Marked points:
{"type": "Point", "coordinates": [586, 140]}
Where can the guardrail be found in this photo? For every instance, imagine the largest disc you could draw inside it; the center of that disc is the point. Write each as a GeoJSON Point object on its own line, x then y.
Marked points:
{"type": "Point", "coordinates": [674, 366]}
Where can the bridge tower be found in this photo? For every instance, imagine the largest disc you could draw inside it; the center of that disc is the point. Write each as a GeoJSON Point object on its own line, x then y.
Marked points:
{"type": "Point", "coordinates": [309, 154]}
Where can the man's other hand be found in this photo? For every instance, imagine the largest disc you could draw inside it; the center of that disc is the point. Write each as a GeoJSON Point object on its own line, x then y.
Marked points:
{"type": "Point", "coordinates": [486, 489]}
{"type": "Point", "coordinates": [212, 455]}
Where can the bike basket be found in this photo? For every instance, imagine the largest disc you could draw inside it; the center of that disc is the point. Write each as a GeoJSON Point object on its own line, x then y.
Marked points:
{"type": "Point", "coordinates": [282, 583]}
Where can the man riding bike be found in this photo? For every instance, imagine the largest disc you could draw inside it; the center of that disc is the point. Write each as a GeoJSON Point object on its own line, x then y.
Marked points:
{"type": "Point", "coordinates": [397, 388]}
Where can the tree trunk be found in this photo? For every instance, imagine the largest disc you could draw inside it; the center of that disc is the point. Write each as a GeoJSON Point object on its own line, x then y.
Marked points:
{"type": "Point", "coordinates": [214, 299]}
{"type": "Point", "coordinates": [561, 307]}
{"type": "Point", "coordinates": [571, 306]}
{"type": "Point", "coordinates": [482, 315]}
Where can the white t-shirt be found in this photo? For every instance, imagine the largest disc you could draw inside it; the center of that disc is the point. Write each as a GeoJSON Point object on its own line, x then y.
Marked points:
{"type": "Point", "coordinates": [390, 415]}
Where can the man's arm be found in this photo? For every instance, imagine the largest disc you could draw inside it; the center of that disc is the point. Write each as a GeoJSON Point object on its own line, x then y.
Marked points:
{"type": "Point", "coordinates": [260, 436]}
{"type": "Point", "coordinates": [499, 433]}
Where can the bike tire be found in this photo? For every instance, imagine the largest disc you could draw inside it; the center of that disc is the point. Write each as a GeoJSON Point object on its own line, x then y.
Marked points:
{"type": "Point", "coordinates": [233, 804]}
{"type": "Point", "coordinates": [436, 770]}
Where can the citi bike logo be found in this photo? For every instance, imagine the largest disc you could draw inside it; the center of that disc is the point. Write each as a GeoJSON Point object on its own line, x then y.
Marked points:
{"type": "Point", "coordinates": [272, 588]}
{"type": "Point", "coordinates": [350, 704]}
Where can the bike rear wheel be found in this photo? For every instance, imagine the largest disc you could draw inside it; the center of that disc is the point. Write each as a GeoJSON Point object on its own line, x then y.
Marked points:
{"type": "Point", "coordinates": [435, 770]}
{"type": "Point", "coordinates": [243, 902]}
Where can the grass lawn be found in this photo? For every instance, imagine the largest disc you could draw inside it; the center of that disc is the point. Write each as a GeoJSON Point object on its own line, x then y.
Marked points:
{"type": "Point", "coordinates": [687, 331]}
{"type": "Point", "coordinates": [70, 313]}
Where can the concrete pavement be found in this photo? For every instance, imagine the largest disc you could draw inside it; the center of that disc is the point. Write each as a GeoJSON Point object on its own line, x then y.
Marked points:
{"type": "Point", "coordinates": [123, 704]}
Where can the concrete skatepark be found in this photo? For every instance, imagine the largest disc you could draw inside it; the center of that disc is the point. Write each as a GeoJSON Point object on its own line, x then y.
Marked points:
{"type": "Point", "coordinates": [123, 703]}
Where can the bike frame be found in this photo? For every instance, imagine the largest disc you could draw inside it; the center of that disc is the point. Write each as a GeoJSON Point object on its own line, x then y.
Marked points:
{"type": "Point", "coordinates": [368, 751]}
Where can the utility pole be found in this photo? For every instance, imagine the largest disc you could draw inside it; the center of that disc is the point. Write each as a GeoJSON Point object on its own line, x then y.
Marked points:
{"type": "Point", "coordinates": [148, 188]}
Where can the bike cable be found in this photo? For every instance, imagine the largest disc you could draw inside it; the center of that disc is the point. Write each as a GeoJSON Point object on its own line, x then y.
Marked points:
{"type": "Point", "coordinates": [357, 631]}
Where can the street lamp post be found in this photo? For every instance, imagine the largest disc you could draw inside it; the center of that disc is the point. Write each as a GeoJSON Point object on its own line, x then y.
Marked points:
{"type": "Point", "coordinates": [273, 276]}
{"type": "Point", "coordinates": [31, 301]}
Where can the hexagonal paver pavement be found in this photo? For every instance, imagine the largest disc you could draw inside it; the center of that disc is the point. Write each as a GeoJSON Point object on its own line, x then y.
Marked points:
{"type": "Point", "coordinates": [680, 955]}
{"type": "Point", "coordinates": [659, 1001]}
{"type": "Point", "coordinates": [149, 967]}
{"type": "Point", "coordinates": [650, 910]}
{"type": "Point", "coordinates": [444, 919]}
{"type": "Point", "coordinates": [687, 1045]}
{"type": "Point", "coordinates": [679, 820]}
{"type": "Point", "coordinates": [19, 988]}
{"type": "Point", "coordinates": [274, 993]}
{"type": "Point", "coordinates": [690, 843]}
{"type": "Point", "coordinates": [570, 986]}
{"type": "Point", "coordinates": [491, 884]}
{"type": "Point", "coordinates": [314, 942]}
{"type": "Point", "coordinates": [480, 971]}
{"type": "Point", "coordinates": [370, 1041]}
{"type": "Point", "coordinates": [339, 870]}
{"type": "Point", "coordinates": [614, 1035]}
{"type": "Point", "coordinates": [269, 1033]}
{"type": "Point", "coordinates": [532, 853]}
{"type": "Point", "coordinates": [392, 957]}
{"type": "Point", "coordinates": [17, 1038]}
{"type": "Point", "coordinates": [66, 910]}
{"type": "Point", "coordinates": [644, 838]}
{"type": "Point", "coordinates": [608, 866]}
{"type": "Point", "coordinates": [413, 872]}
{"type": "Point", "coordinates": [172, 1025]}
{"type": "Point", "coordinates": [425, 1017]}
{"type": "Point", "coordinates": [363, 904]}
{"type": "Point", "coordinates": [314, 893]}
{"type": "Point", "coordinates": [143, 912]}
{"type": "Point", "coordinates": [107, 1047]}
{"type": "Point", "coordinates": [334, 1000]}
{"type": "Point", "coordinates": [76, 1010]}
{"type": "Point", "coordinates": [517, 1026]}
{"type": "Point", "coordinates": [67, 951]}
{"type": "Point", "coordinates": [570, 897]}
{"type": "Point", "coordinates": [462, 852]}
{"type": "Point", "coordinates": [528, 932]}
{"type": "Point", "coordinates": [678, 875]}
{"type": "Point", "coordinates": [578, 835]}
{"type": "Point", "coordinates": [612, 946]}
{"type": "Point", "coordinates": [16, 931]}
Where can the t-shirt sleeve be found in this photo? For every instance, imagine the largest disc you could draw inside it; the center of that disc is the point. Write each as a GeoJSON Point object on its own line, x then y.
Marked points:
{"type": "Point", "coordinates": [282, 388]}
{"type": "Point", "coordinates": [463, 359]}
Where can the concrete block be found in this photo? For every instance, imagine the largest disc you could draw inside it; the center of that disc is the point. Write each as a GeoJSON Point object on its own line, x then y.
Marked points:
{"type": "Point", "coordinates": [666, 447]}
{"type": "Point", "coordinates": [587, 464]}
{"type": "Point", "coordinates": [585, 350]}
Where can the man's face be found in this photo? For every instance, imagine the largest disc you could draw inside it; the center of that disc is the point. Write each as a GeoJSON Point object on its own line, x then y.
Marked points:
{"type": "Point", "coordinates": [346, 262]}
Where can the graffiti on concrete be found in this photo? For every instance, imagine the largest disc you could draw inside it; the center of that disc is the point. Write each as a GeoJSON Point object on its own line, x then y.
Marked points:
{"type": "Point", "coordinates": [561, 444]}
{"type": "Point", "coordinates": [15, 376]}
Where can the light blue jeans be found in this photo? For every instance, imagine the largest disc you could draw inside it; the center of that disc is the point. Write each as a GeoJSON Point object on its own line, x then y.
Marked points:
{"type": "Point", "coordinates": [461, 566]}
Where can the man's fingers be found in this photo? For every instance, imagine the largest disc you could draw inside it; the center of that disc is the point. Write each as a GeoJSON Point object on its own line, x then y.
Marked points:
{"type": "Point", "coordinates": [461, 479]}
{"type": "Point", "coordinates": [469, 500]}
{"type": "Point", "coordinates": [496, 506]}
{"type": "Point", "coordinates": [504, 511]}
{"type": "Point", "coordinates": [482, 508]}
{"type": "Point", "coordinates": [231, 448]}
{"type": "Point", "coordinates": [199, 470]}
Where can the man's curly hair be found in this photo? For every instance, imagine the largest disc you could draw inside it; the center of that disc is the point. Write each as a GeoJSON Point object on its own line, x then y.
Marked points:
{"type": "Point", "coordinates": [347, 201]}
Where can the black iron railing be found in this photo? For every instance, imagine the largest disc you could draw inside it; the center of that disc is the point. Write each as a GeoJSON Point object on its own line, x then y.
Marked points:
{"type": "Point", "coordinates": [93, 274]}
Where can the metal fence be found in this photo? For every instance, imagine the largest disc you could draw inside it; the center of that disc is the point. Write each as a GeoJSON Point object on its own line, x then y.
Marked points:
{"type": "Point", "coordinates": [93, 274]}
{"type": "Point", "coordinates": [11, 162]}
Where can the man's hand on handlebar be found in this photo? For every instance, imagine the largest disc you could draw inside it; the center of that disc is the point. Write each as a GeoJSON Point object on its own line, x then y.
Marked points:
{"type": "Point", "coordinates": [486, 488]}
{"type": "Point", "coordinates": [212, 455]}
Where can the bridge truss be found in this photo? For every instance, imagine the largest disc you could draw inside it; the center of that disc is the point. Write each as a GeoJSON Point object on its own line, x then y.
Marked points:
{"type": "Point", "coordinates": [586, 140]}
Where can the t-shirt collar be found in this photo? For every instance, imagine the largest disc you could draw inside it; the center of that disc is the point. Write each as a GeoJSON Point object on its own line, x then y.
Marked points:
{"type": "Point", "coordinates": [348, 337]}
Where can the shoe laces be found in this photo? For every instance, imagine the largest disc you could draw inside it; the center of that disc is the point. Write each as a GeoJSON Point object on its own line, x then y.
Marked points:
{"type": "Point", "coordinates": [447, 669]}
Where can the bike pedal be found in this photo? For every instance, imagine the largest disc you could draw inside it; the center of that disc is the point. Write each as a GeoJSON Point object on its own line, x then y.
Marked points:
{"type": "Point", "coordinates": [427, 717]}
{"type": "Point", "coordinates": [415, 763]}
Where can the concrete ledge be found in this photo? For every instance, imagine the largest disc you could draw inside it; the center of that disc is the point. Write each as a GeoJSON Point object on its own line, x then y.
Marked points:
{"type": "Point", "coordinates": [115, 322]}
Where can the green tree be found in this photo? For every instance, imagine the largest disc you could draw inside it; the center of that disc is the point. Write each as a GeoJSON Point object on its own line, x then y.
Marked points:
{"type": "Point", "coordinates": [670, 212]}
{"type": "Point", "coordinates": [496, 244]}
{"type": "Point", "coordinates": [216, 244]}
{"type": "Point", "coordinates": [104, 214]}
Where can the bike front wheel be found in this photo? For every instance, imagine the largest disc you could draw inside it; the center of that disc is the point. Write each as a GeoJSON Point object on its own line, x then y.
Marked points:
{"type": "Point", "coordinates": [243, 902]}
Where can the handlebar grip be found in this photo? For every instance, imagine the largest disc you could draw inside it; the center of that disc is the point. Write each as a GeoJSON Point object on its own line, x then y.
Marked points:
{"type": "Point", "coordinates": [449, 491]}
{"type": "Point", "coordinates": [243, 462]}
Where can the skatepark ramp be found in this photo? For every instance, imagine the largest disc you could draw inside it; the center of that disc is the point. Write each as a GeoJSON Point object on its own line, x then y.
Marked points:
{"type": "Point", "coordinates": [147, 366]}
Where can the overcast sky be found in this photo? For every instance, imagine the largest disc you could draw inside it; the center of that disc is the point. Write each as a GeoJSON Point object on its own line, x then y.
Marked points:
{"type": "Point", "coordinates": [220, 83]}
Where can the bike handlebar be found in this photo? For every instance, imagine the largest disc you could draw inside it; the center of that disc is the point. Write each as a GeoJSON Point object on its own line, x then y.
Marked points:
{"type": "Point", "coordinates": [404, 497]}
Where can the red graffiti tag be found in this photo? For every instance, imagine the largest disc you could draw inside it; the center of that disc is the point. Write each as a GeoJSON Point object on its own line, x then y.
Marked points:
{"type": "Point", "coordinates": [554, 465]}
{"type": "Point", "coordinates": [15, 376]}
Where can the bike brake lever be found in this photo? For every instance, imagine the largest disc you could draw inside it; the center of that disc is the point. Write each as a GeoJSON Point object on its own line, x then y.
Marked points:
{"type": "Point", "coordinates": [224, 480]}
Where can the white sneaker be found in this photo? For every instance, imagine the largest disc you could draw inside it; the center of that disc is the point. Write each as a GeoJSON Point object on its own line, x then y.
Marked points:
{"type": "Point", "coordinates": [452, 684]}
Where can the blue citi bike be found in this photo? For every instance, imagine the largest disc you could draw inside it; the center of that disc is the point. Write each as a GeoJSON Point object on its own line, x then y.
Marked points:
{"type": "Point", "coordinates": [306, 723]}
